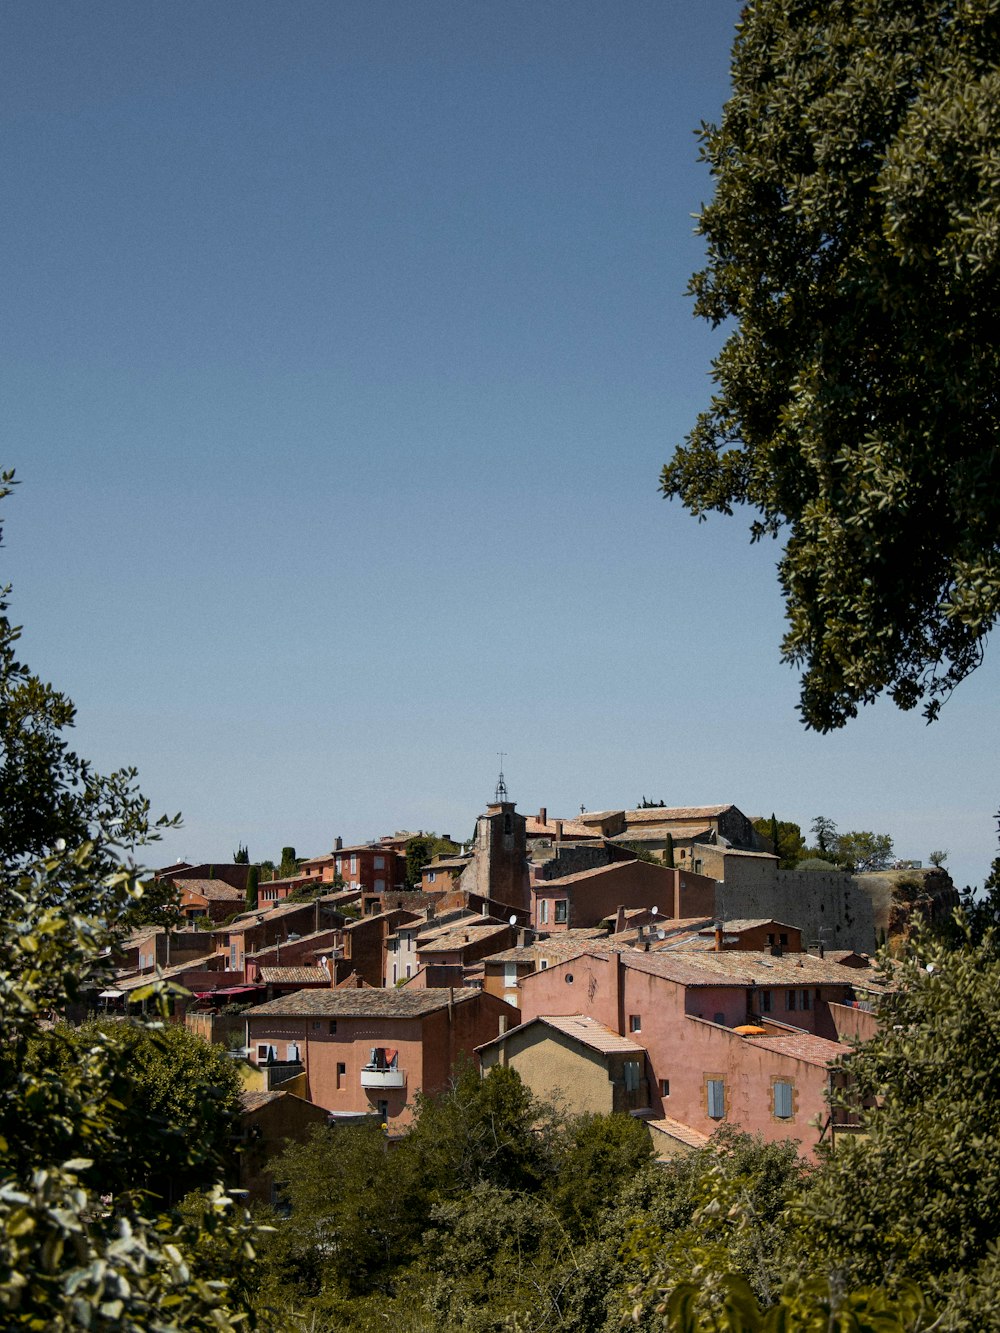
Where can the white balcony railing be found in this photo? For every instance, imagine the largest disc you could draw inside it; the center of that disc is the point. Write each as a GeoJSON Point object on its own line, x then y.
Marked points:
{"type": "Point", "coordinates": [372, 1077]}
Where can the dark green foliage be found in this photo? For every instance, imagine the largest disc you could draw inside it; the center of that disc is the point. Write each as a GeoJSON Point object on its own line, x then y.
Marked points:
{"type": "Point", "coordinates": [645, 804]}
{"type": "Point", "coordinates": [919, 1195]}
{"type": "Point", "coordinates": [642, 853]}
{"type": "Point", "coordinates": [171, 1112]}
{"type": "Point", "coordinates": [253, 885]}
{"type": "Point", "coordinates": [668, 852]}
{"type": "Point", "coordinates": [241, 857]}
{"type": "Point", "coordinates": [852, 238]}
{"type": "Point", "coordinates": [596, 1155]}
{"type": "Point", "coordinates": [421, 850]}
{"type": "Point", "coordinates": [289, 864]}
{"type": "Point", "coordinates": [785, 838]}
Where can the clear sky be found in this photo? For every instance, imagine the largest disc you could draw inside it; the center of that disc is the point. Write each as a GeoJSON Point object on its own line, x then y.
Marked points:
{"type": "Point", "coordinates": [343, 344]}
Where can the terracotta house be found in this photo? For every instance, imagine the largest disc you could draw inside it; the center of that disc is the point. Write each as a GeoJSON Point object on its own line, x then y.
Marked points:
{"type": "Point", "coordinates": [372, 1050]}
{"type": "Point", "coordinates": [720, 1030]}
{"type": "Point", "coordinates": [587, 898]}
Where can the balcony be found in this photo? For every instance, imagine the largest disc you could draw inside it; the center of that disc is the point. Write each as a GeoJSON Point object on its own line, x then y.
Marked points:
{"type": "Point", "coordinates": [374, 1077]}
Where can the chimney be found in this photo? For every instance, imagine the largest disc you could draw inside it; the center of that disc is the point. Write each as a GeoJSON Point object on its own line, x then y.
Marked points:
{"type": "Point", "coordinates": [718, 937]}
{"type": "Point", "coordinates": [559, 825]}
{"type": "Point", "coordinates": [522, 939]}
{"type": "Point", "coordinates": [338, 844]}
{"type": "Point", "coordinates": [486, 909]}
{"type": "Point", "coordinates": [619, 919]}
{"type": "Point", "coordinates": [542, 815]}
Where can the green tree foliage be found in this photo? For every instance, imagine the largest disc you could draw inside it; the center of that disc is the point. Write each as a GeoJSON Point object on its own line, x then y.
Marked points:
{"type": "Point", "coordinates": [421, 849]}
{"type": "Point", "coordinates": [596, 1155]}
{"type": "Point", "coordinates": [786, 839]}
{"type": "Point", "coordinates": [853, 240]}
{"type": "Point", "coordinates": [253, 887]}
{"type": "Point", "coordinates": [668, 851]}
{"type": "Point", "coordinates": [825, 832]}
{"type": "Point", "coordinates": [917, 1197]}
{"type": "Point", "coordinates": [862, 851]}
{"type": "Point", "coordinates": [171, 1112]}
{"type": "Point", "coordinates": [241, 857]}
{"type": "Point", "coordinates": [289, 864]}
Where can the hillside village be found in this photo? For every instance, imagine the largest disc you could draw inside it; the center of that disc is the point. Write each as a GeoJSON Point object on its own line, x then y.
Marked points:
{"type": "Point", "coordinates": [656, 962]}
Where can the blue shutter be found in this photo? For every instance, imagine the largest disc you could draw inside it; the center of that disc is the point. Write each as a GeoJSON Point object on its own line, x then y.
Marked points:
{"type": "Point", "coordinates": [783, 1101]}
{"type": "Point", "coordinates": [716, 1098]}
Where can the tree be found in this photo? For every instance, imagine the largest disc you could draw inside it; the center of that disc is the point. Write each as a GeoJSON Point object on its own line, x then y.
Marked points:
{"type": "Point", "coordinates": [938, 858]}
{"type": "Point", "coordinates": [668, 851]}
{"type": "Point", "coordinates": [786, 839]}
{"type": "Point", "coordinates": [916, 1197]}
{"type": "Point", "coordinates": [241, 857]}
{"type": "Point", "coordinates": [862, 852]}
{"type": "Point", "coordinates": [253, 883]}
{"type": "Point", "coordinates": [173, 1104]}
{"type": "Point", "coordinates": [853, 239]}
{"type": "Point", "coordinates": [289, 863]}
{"type": "Point", "coordinates": [825, 832]}
{"type": "Point", "coordinates": [421, 849]}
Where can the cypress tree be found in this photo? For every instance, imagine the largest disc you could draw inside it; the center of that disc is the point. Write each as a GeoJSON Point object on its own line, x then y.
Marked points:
{"type": "Point", "coordinates": [774, 835]}
{"type": "Point", "coordinates": [668, 851]}
{"type": "Point", "coordinates": [253, 879]}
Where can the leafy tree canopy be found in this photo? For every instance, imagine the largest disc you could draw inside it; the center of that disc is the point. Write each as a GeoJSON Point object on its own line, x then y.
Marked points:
{"type": "Point", "coordinates": [421, 849]}
{"type": "Point", "coordinates": [853, 238]}
{"type": "Point", "coordinates": [786, 839]}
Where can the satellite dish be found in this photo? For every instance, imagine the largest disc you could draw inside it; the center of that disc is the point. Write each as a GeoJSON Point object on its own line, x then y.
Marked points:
{"type": "Point", "coordinates": [513, 919]}
{"type": "Point", "coordinates": [654, 911]}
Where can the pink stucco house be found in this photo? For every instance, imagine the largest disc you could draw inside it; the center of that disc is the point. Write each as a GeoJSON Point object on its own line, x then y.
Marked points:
{"type": "Point", "coordinates": [372, 1050]}
{"type": "Point", "coordinates": [737, 1036]}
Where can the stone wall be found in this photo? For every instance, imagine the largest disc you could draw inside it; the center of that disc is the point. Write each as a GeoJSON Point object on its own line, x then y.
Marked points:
{"type": "Point", "coordinates": [828, 906]}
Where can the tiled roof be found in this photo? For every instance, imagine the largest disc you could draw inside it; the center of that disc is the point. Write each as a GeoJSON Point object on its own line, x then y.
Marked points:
{"type": "Point", "coordinates": [593, 1034]}
{"type": "Point", "coordinates": [568, 944]}
{"type": "Point", "coordinates": [457, 936]}
{"type": "Point", "coordinates": [803, 1046]}
{"type": "Point", "coordinates": [252, 1100]}
{"type": "Point", "coordinates": [652, 813]}
{"type": "Point", "coordinates": [749, 967]}
{"type": "Point", "coordinates": [212, 889]}
{"type": "Point", "coordinates": [548, 886]}
{"type": "Point", "coordinates": [675, 1130]}
{"type": "Point", "coordinates": [659, 834]}
{"type": "Point", "coordinates": [297, 976]}
{"type": "Point", "coordinates": [203, 964]}
{"type": "Point", "coordinates": [373, 1003]}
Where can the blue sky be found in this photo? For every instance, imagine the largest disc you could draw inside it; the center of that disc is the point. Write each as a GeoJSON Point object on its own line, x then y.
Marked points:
{"type": "Point", "coordinates": [343, 344]}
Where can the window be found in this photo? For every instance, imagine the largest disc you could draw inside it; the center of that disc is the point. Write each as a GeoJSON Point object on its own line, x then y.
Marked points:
{"type": "Point", "coordinates": [292, 1051]}
{"type": "Point", "coordinates": [383, 1110]}
{"type": "Point", "coordinates": [333, 1027]}
{"type": "Point", "coordinates": [765, 1002]}
{"type": "Point", "coordinates": [545, 963]}
{"type": "Point", "coordinates": [720, 1019]}
{"type": "Point", "coordinates": [562, 911]}
{"type": "Point", "coordinates": [635, 1022]}
{"type": "Point", "coordinates": [354, 865]}
{"type": "Point", "coordinates": [715, 1096]}
{"type": "Point", "coordinates": [380, 863]}
{"type": "Point", "coordinates": [339, 864]}
{"type": "Point", "coordinates": [380, 886]}
{"type": "Point", "coordinates": [543, 912]}
{"type": "Point", "coordinates": [316, 1025]}
{"type": "Point", "coordinates": [805, 999]}
{"type": "Point", "coordinates": [510, 974]}
{"type": "Point", "coordinates": [715, 1090]}
{"type": "Point", "coordinates": [790, 1001]}
{"type": "Point", "coordinates": [407, 969]}
{"type": "Point", "coordinates": [631, 1069]}
{"type": "Point", "coordinates": [664, 1087]}
{"type": "Point", "coordinates": [782, 1095]}
{"type": "Point", "coordinates": [341, 1073]}
{"type": "Point", "coordinates": [431, 875]}
{"type": "Point", "coordinates": [783, 939]}
{"type": "Point", "coordinates": [265, 1053]}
